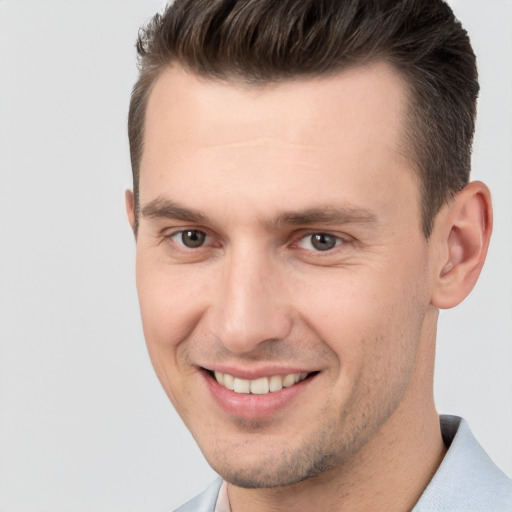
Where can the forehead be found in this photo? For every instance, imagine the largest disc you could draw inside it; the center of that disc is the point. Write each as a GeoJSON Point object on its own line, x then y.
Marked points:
{"type": "Point", "coordinates": [341, 133]}
{"type": "Point", "coordinates": [374, 95]}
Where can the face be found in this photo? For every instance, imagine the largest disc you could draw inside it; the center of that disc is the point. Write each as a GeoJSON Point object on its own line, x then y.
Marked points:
{"type": "Point", "coordinates": [281, 269]}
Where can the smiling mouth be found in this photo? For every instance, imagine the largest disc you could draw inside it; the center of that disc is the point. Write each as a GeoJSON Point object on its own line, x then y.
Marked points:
{"type": "Point", "coordinates": [260, 386]}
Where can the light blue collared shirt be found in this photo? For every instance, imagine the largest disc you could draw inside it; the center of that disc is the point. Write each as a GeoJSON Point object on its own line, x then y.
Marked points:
{"type": "Point", "coordinates": [466, 481]}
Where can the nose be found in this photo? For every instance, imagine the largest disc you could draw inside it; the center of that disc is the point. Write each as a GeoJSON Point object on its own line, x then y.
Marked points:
{"type": "Point", "coordinates": [250, 306]}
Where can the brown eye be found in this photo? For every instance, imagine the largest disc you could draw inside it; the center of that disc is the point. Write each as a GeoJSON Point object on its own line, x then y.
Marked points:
{"type": "Point", "coordinates": [191, 238]}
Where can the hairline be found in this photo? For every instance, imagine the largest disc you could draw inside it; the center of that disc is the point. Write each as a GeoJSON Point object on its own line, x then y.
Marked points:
{"type": "Point", "coordinates": [405, 147]}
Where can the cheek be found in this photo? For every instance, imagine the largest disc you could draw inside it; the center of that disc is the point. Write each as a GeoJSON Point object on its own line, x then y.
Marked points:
{"type": "Point", "coordinates": [170, 310]}
{"type": "Point", "coordinates": [340, 305]}
{"type": "Point", "coordinates": [170, 301]}
{"type": "Point", "coordinates": [370, 318]}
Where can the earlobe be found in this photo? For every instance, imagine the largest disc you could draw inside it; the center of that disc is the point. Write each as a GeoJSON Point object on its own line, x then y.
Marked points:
{"type": "Point", "coordinates": [130, 208]}
{"type": "Point", "coordinates": [463, 230]}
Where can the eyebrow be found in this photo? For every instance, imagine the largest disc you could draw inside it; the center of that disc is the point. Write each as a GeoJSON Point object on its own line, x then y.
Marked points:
{"type": "Point", "coordinates": [168, 209]}
{"type": "Point", "coordinates": [327, 215]}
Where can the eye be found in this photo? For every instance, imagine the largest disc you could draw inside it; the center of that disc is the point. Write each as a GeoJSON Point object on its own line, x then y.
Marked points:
{"type": "Point", "coordinates": [191, 238]}
{"type": "Point", "coordinates": [319, 242]}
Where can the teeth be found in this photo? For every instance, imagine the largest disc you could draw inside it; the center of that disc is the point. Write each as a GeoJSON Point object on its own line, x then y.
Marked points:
{"type": "Point", "coordinates": [241, 386]}
{"type": "Point", "coordinates": [229, 381]}
{"type": "Point", "coordinates": [260, 386]}
{"type": "Point", "coordinates": [289, 380]}
{"type": "Point", "coordinates": [275, 383]}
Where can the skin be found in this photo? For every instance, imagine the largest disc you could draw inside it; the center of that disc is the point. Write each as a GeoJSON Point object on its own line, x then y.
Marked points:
{"type": "Point", "coordinates": [260, 170]}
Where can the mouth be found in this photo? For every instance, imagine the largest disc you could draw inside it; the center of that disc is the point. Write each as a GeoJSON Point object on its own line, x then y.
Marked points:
{"type": "Point", "coordinates": [260, 386]}
{"type": "Point", "coordinates": [263, 396]}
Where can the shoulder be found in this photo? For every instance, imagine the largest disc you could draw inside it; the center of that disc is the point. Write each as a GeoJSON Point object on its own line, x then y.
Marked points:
{"type": "Point", "coordinates": [467, 479]}
{"type": "Point", "coordinates": [204, 502]}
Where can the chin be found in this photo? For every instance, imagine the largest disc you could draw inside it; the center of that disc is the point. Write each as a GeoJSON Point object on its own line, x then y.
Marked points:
{"type": "Point", "coordinates": [268, 472]}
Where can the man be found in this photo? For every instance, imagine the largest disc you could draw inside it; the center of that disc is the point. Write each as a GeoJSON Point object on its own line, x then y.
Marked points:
{"type": "Point", "coordinates": [302, 208]}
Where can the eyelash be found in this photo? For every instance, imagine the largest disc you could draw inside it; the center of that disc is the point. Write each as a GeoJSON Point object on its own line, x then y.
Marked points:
{"type": "Point", "coordinates": [173, 235]}
{"type": "Point", "coordinates": [338, 240]}
{"type": "Point", "coordinates": [310, 237]}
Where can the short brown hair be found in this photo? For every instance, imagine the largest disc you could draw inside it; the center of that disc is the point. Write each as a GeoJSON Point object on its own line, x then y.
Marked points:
{"type": "Point", "coordinates": [261, 41]}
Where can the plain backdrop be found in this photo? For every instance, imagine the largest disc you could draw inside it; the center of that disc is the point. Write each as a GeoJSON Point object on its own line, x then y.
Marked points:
{"type": "Point", "coordinates": [84, 424]}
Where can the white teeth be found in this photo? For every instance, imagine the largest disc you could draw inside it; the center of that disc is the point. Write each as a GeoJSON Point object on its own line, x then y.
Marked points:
{"type": "Point", "coordinates": [275, 383]}
{"type": "Point", "coordinates": [242, 386]}
{"type": "Point", "coordinates": [229, 381]}
{"type": "Point", "coordinates": [289, 380]}
{"type": "Point", "coordinates": [260, 386]}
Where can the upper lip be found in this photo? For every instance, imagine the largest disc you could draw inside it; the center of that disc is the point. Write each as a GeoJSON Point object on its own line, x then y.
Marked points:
{"type": "Point", "coordinates": [256, 372]}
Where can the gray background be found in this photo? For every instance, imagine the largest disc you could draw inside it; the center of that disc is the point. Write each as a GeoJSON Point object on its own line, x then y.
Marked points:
{"type": "Point", "coordinates": [84, 425]}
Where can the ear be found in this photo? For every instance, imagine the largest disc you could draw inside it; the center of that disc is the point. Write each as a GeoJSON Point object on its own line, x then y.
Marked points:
{"type": "Point", "coordinates": [462, 233]}
{"type": "Point", "coordinates": [130, 208]}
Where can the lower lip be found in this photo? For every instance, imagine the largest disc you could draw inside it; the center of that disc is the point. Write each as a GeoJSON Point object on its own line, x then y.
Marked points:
{"type": "Point", "coordinates": [248, 406]}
